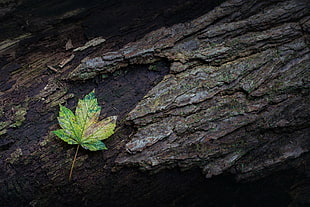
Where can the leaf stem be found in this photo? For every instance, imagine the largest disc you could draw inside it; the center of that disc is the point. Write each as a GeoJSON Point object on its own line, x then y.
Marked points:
{"type": "Point", "coordinates": [72, 166]}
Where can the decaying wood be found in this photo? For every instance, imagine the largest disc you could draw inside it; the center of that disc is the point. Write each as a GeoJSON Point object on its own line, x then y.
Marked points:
{"type": "Point", "coordinates": [224, 93]}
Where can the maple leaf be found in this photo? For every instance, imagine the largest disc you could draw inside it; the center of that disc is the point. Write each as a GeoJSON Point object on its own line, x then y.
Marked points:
{"type": "Point", "coordinates": [84, 128]}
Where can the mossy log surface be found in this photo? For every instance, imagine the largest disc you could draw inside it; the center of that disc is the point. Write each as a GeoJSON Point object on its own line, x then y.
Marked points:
{"type": "Point", "coordinates": [205, 91]}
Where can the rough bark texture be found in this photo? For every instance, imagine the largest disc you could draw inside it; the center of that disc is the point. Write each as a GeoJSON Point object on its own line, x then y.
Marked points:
{"type": "Point", "coordinates": [218, 91]}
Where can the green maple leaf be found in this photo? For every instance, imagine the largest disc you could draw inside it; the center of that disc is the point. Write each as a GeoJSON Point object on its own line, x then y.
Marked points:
{"type": "Point", "coordinates": [84, 128]}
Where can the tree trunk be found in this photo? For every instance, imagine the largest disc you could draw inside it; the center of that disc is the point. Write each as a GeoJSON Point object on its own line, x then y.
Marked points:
{"type": "Point", "coordinates": [212, 99]}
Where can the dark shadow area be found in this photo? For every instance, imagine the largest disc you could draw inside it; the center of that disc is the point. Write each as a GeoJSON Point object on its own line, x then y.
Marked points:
{"type": "Point", "coordinates": [190, 188]}
{"type": "Point", "coordinates": [107, 18]}
{"type": "Point", "coordinates": [119, 92]}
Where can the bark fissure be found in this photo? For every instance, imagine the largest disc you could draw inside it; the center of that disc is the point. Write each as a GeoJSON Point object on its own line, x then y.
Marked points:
{"type": "Point", "coordinates": [225, 92]}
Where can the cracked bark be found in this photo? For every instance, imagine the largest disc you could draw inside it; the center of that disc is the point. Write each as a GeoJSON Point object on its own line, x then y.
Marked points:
{"type": "Point", "coordinates": [224, 93]}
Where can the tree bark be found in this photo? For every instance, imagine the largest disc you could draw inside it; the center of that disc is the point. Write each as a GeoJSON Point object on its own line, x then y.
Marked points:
{"type": "Point", "coordinates": [207, 94]}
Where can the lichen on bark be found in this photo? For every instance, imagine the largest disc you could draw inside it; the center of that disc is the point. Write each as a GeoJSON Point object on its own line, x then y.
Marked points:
{"type": "Point", "coordinates": [224, 93]}
{"type": "Point", "coordinates": [229, 81]}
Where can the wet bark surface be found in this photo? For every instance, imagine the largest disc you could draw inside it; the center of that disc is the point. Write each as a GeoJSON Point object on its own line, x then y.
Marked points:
{"type": "Point", "coordinates": [212, 100]}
